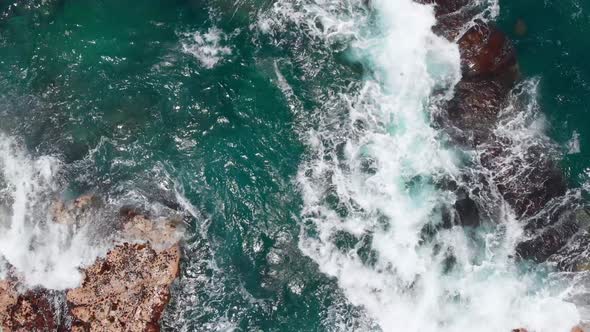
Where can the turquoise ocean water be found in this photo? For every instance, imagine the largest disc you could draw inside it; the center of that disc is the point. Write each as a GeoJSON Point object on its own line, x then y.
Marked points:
{"type": "Point", "coordinates": [226, 108]}
{"type": "Point", "coordinates": [553, 47]}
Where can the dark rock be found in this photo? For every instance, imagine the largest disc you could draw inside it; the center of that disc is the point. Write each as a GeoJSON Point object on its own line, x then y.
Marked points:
{"type": "Point", "coordinates": [575, 255]}
{"type": "Point", "coordinates": [486, 53]}
{"type": "Point", "coordinates": [474, 110]}
{"type": "Point", "coordinates": [528, 181]}
{"type": "Point", "coordinates": [452, 16]}
{"type": "Point", "coordinates": [549, 242]}
{"type": "Point", "coordinates": [467, 210]}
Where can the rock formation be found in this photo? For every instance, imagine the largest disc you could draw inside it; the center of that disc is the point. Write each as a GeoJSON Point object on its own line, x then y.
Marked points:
{"type": "Point", "coordinates": [528, 182]}
{"type": "Point", "coordinates": [32, 310]}
{"type": "Point", "coordinates": [127, 290]}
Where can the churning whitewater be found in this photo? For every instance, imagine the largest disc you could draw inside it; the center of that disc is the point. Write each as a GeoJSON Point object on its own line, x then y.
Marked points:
{"type": "Point", "coordinates": [44, 252]}
{"type": "Point", "coordinates": [304, 158]}
{"type": "Point", "coordinates": [373, 195]}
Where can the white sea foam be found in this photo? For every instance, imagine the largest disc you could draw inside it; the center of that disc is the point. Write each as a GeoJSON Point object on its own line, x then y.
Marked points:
{"type": "Point", "coordinates": [369, 191]}
{"type": "Point", "coordinates": [209, 48]}
{"type": "Point", "coordinates": [573, 145]}
{"type": "Point", "coordinates": [40, 251]}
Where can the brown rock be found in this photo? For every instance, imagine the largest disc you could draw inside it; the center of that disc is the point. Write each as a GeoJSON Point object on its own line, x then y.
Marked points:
{"type": "Point", "coordinates": [125, 291]}
{"type": "Point", "coordinates": [158, 233]}
{"type": "Point", "coordinates": [73, 213]}
{"type": "Point", "coordinates": [8, 298]}
{"type": "Point", "coordinates": [485, 52]}
{"type": "Point", "coordinates": [29, 311]}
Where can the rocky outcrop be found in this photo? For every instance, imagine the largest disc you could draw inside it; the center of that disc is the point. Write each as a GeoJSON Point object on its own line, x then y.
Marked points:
{"type": "Point", "coordinates": [127, 290]}
{"type": "Point", "coordinates": [527, 181]}
{"type": "Point", "coordinates": [32, 310]}
{"type": "Point", "coordinates": [487, 53]}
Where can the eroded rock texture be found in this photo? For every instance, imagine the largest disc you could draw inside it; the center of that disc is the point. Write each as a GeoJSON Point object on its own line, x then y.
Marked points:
{"type": "Point", "coordinates": [125, 291]}
{"type": "Point", "coordinates": [526, 176]}
{"type": "Point", "coordinates": [32, 310]}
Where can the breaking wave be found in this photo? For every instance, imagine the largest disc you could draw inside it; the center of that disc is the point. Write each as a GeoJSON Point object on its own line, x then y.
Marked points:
{"type": "Point", "coordinates": [373, 186]}
{"type": "Point", "coordinates": [40, 250]}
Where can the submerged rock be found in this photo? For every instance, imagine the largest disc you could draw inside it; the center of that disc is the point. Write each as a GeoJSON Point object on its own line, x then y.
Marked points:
{"type": "Point", "coordinates": [159, 234]}
{"type": "Point", "coordinates": [75, 212]}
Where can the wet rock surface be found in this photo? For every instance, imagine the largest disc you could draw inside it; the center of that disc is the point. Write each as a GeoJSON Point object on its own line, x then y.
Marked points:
{"type": "Point", "coordinates": [127, 290]}
{"type": "Point", "coordinates": [486, 52]}
{"type": "Point", "coordinates": [527, 179]}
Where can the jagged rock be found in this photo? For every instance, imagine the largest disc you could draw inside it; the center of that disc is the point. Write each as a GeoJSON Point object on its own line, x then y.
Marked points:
{"type": "Point", "coordinates": [32, 310]}
{"type": "Point", "coordinates": [125, 291]}
{"type": "Point", "coordinates": [452, 16]}
{"type": "Point", "coordinates": [527, 181]}
{"type": "Point", "coordinates": [574, 256]}
{"type": "Point", "coordinates": [548, 242]}
{"type": "Point", "coordinates": [474, 110]}
{"type": "Point", "coordinates": [489, 71]}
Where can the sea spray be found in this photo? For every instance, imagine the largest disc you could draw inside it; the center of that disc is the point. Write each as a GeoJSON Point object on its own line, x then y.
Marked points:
{"type": "Point", "coordinates": [38, 250]}
{"type": "Point", "coordinates": [373, 203]}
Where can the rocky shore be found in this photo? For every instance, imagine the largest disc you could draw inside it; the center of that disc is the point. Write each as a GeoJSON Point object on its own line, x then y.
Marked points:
{"type": "Point", "coordinates": [528, 179]}
{"type": "Point", "coordinates": [127, 290]}
{"type": "Point", "coordinates": [525, 176]}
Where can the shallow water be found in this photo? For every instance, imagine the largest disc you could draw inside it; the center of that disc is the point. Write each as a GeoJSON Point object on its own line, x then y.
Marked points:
{"type": "Point", "coordinates": [297, 135]}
